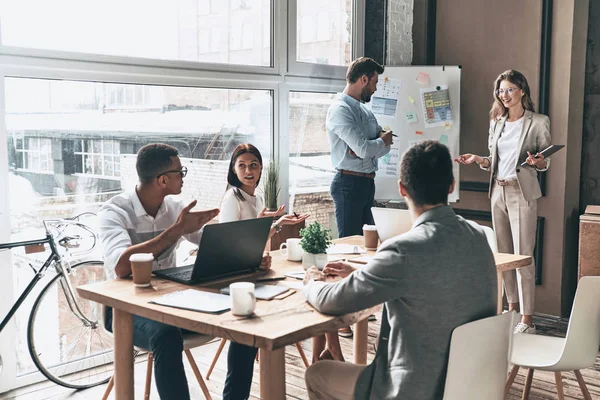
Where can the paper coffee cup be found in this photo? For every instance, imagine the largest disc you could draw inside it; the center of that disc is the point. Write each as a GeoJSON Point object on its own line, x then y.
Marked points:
{"type": "Point", "coordinates": [371, 236]}
{"type": "Point", "coordinates": [141, 268]}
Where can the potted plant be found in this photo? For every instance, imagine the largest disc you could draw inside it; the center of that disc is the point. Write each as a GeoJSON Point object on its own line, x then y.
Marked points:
{"type": "Point", "coordinates": [271, 188]}
{"type": "Point", "coordinates": [314, 243]}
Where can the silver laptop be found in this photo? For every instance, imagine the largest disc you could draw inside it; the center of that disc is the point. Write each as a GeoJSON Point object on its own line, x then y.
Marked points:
{"type": "Point", "coordinates": [391, 222]}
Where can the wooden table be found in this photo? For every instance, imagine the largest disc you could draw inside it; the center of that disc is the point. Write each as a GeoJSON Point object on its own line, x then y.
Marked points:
{"type": "Point", "coordinates": [508, 262]}
{"type": "Point", "coordinates": [275, 324]}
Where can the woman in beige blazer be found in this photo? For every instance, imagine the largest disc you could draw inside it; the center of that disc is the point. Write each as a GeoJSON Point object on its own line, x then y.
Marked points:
{"type": "Point", "coordinates": [517, 134]}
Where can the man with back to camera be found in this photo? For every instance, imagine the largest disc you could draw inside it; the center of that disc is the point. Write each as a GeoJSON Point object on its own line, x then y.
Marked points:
{"type": "Point", "coordinates": [148, 220]}
{"type": "Point", "coordinates": [432, 279]}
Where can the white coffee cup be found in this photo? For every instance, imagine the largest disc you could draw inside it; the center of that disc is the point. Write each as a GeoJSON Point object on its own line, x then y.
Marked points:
{"type": "Point", "coordinates": [243, 301]}
{"type": "Point", "coordinates": [291, 249]}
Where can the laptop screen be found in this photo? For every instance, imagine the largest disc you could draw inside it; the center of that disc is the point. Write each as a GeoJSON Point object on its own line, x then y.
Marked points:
{"type": "Point", "coordinates": [231, 248]}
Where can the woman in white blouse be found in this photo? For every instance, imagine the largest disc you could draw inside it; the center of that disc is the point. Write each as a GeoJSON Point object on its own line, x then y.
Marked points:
{"type": "Point", "coordinates": [517, 134]}
{"type": "Point", "coordinates": [239, 203]}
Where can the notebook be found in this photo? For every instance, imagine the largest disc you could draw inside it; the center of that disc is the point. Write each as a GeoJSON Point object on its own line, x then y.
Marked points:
{"type": "Point", "coordinates": [195, 300]}
{"type": "Point", "coordinates": [263, 292]}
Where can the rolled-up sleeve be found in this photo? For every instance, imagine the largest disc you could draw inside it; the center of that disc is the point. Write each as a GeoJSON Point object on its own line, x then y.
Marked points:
{"type": "Point", "coordinates": [342, 122]}
{"type": "Point", "coordinates": [114, 238]}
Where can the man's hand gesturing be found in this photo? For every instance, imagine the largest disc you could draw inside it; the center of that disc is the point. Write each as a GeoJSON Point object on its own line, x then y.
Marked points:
{"type": "Point", "coordinates": [191, 221]}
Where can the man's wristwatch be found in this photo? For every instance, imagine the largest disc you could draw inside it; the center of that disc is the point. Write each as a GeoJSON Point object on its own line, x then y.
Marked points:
{"type": "Point", "coordinates": [276, 227]}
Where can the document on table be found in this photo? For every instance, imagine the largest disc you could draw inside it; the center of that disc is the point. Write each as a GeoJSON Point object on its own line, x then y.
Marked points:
{"type": "Point", "coordinates": [263, 292]}
{"type": "Point", "coordinates": [195, 300]}
{"type": "Point", "coordinates": [343, 248]}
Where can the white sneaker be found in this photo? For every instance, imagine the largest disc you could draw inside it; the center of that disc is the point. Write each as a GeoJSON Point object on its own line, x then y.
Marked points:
{"type": "Point", "coordinates": [524, 328]}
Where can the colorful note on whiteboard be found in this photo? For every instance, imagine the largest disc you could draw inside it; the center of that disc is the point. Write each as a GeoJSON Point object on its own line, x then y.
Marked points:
{"type": "Point", "coordinates": [388, 164]}
{"type": "Point", "coordinates": [423, 78]}
{"type": "Point", "coordinates": [444, 139]}
{"type": "Point", "coordinates": [437, 110]}
{"type": "Point", "coordinates": [411, 117]}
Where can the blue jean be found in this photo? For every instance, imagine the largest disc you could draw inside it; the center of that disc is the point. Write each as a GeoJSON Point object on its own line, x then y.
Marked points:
{"type": "Point", "coordinates": [353, 198]}
{"type": "Point", "coordinates": [240, 368]}
{"type": "Point", "coordinates": [166, 344]}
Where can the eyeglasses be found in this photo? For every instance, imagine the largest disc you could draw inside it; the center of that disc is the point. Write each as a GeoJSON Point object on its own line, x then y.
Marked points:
{"type": "Point", "coordinates": [183, 172]}
{"type": "Point", "coordinates": [507, 90]}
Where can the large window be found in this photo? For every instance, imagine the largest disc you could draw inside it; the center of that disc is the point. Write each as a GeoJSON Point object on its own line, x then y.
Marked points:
{"type": "Point", "coordinates": [85, 84]}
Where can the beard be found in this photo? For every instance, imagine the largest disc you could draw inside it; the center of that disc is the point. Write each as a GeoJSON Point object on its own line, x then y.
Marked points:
{"type": "Point", "coordinates": [365, 95]}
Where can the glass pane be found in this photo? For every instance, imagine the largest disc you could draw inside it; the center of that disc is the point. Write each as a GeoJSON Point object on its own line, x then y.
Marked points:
{"type": "Point", "coordinates": [169, 29]}
{"type": "Point", "coordinates": [310, 163]}
{"type": "Point", "coordinates": [324, 32]}
{"type": "Point", "coordinates": [204, 124]}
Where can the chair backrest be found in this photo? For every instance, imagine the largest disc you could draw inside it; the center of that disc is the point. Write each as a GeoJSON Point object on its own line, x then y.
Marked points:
{"type": "Point", "coordinates": [583, 334]}
{"type": "Point", "coordinates": [478, 359]}
{"type": "Point", "coordinates": [489, 235]}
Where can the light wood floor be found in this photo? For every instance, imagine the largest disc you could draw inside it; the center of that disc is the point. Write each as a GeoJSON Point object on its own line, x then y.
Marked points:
{"type": "Point", "coordinates": [543, 383]}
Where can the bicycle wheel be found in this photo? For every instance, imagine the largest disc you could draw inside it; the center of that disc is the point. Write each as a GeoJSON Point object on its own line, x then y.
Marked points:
{"type": "Point", "coordinates": [69, 350]}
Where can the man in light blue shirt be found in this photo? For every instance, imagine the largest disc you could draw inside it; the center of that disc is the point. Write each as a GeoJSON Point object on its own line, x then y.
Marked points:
{"type": "Point", "coordinates": [357, 141]}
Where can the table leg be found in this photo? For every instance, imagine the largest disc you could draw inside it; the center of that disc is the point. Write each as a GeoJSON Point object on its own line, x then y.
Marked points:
{"type": "Point", "coordinates": [499, 293]}
{"type": "Point", "coordinates": [361, 330]}
{"type": "Point", "coordinates": [272, 374]}
{"type": "Point", "coordinates": [123, 336]}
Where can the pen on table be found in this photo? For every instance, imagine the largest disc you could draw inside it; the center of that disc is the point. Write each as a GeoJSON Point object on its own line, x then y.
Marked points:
{"type": "Point", "coordinates": [275, 278]}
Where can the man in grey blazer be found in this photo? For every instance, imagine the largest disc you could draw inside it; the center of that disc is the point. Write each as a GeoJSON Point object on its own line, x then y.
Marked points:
{"type": "Point", "coordinates": [432, 279]}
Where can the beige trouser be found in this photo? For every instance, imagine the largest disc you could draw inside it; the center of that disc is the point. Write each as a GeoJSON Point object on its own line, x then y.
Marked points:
{"type": "Point", "coordinates": [332, 380]}
{"type": "Point", "coordinates": [515, 224]}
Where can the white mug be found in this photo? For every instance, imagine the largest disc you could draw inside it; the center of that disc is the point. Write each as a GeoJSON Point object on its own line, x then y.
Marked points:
{"type": "Point", "coordinates": [243, 301]}
{"type": "Point", "coordinates": [291, 249]}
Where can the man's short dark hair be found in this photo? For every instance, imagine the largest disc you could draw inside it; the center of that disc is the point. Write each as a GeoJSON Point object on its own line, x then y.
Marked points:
{"type": "Point", "coordinates": [426, 173]}
{"type": "Point", "coordinates": [362, 66]}
{"type": "Point", "coordinates": [152, 159]}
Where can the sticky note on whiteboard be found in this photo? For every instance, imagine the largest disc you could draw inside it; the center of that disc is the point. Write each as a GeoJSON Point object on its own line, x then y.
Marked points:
{"type": "Point", "coordinates": [444, 139]}
{"type": "Point", "coordinates": [411, 117]}
{"type": "Point", "coordinates": [423, 78]}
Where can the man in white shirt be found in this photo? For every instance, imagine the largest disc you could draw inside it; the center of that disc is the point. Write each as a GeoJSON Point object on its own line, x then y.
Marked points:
{"type": "Point", "coordinates": [147, 220]}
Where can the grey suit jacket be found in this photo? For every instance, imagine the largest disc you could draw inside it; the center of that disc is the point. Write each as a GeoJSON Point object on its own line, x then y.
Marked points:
{"type": "Point", "coordinates": [437, 276]}
{"type": "Point", "coordinates": [535, 136]}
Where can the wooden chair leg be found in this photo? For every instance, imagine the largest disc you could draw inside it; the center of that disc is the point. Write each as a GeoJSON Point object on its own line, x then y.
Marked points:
{"type": "Point", "coordinates": [215, 358]}
{"type": "Point", "coordinates": [302, 355]}
{"type": "Point", "coordinates": [148, 376]}
{"type": "Point", "coordinates": [198, 375]}
{"type": "Point", "coordinates": [560, 391]}
{"type": "Point", "coordinates": [582, 385]}
{"type": "Point", "coordinates": [528, 381]}
{"type": "Point", "coordinates": [109, 388]}
{"type": "Point", "coordinates": [511, 378]}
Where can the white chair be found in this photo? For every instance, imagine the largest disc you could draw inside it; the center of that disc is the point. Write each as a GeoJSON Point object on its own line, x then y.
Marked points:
{"type": "Point", "coordinates": [575, 352]}
{"type": "Point", "coordinates": [190, 341]}
{"type": "Point", "coordinates": [478, 359]}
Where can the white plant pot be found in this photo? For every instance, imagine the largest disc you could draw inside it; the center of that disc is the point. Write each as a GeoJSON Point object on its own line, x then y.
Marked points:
{"type": "Point", "coordinates": [318, 260]}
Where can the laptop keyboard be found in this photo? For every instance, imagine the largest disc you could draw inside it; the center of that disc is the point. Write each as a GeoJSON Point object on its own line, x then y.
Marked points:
{"type": "Point", "coordinates": [183, 275]}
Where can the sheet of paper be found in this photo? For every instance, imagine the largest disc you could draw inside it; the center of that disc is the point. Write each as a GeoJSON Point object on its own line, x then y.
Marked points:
{"type": "Point", "coordinates": [388, 88]}
{"type": "Point", "coordinates": [388, 164]}
{"type": "Point", "coordinates": [444, 139]}
{"type": "Point", "coordinates": [423, 78]}
{"type": "Point", "coordinates": [411, 117]}
{"type": "Point", "coordinates": [195, 300]}
{"type": "Point", "coordinates": [382, 106]}
{"type": "Point", "coordinates": [343, 248]}
{"type": "Point", "coordinates": [437, 110]}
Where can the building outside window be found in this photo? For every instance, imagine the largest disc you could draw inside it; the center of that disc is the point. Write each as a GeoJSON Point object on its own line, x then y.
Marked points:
{"type": "Point", "coordinates": [34, 154]}
{"type": "Point", "coordinates": [97, 157]}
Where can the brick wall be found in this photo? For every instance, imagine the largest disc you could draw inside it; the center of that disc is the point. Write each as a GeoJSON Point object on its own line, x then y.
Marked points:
{"type": "Point", "coordinates": [399, 38]}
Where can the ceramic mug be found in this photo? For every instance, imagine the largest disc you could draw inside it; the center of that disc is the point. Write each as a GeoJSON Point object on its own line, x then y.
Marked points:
{"type": "Point", "coordinates": [291, 249]}
{"type": "Point", "coordinates": [243, 301]}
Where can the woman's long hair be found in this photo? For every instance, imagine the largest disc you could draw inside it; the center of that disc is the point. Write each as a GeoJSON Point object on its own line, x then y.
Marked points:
{"type": "Point", "coordinates": [232, 178]}
{"type": "Point", "coordinates": [518, 79]}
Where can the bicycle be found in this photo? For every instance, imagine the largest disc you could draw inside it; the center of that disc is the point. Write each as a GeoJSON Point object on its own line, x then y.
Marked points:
{"type": "Point", "coordinates": [65, 338]}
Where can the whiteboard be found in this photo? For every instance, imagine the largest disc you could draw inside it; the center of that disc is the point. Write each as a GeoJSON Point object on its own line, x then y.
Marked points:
{"type": "Point", "coordinates": [413, 102]}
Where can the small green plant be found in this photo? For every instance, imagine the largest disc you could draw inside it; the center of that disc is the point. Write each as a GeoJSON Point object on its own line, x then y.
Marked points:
{"type": "Point", "coordinates": [315, 238]}
{"type": "Point", "coordinates": [272, 185]}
